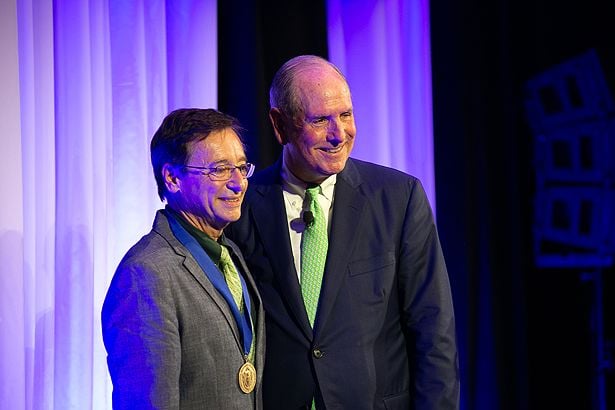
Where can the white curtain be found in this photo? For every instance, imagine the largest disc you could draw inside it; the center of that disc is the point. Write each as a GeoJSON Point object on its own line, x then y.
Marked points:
{"type": "Point", "coordinates": [383, 47]}
{"type": "Point", "coordinates": [85, 85]}
{"type": "Point", "coordinates": [12, 347]}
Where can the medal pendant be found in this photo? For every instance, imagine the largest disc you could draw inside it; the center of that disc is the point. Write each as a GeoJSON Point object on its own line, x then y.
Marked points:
{"type": "Point", "coordinates": [247, 377]}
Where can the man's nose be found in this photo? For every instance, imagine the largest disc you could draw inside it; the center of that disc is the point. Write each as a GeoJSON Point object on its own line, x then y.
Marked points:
{"type": "Point", "coordinates": [236, 180]}
{"type": "Point", "coordinates": [335, 134]}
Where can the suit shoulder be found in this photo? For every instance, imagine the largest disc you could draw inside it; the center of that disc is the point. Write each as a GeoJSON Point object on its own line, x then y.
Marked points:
{"type": "Point", "coordinates": [382, 177]}
{"type": "Point", "coordinates": [151, 249]}
{"type": "Point", "coordinates": [262, 181]}
{"type": "Point", "coordinates": [266, 176]}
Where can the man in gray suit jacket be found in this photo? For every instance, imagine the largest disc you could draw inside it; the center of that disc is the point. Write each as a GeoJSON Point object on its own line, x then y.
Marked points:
{"type": "Point", "coordinates": [183, 323]}
{"type": "Point", "coordinates": [383, 333]}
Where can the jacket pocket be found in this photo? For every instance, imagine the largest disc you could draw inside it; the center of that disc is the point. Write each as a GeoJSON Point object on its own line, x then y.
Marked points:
{"type": "Point", "coordinates": [397, 401]}
{"type": "Point", "coordinates": [371, 264]}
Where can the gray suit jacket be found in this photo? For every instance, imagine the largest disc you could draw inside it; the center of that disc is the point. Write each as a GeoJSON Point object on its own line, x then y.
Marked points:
{"type": "Point", "coordinates": [171, 338]}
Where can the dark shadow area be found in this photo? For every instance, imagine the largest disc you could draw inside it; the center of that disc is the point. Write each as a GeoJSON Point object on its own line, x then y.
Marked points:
{"type": "Point", "coordinates": [533, 349]}
{"type": "Point", "coordinates": [525, 332]}
{"type": "Point", "coordinates": [254, 39]}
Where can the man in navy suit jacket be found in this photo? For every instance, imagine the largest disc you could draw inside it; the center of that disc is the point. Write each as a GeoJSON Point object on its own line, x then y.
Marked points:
{"type": "Point", "coordinates": [384, 332]}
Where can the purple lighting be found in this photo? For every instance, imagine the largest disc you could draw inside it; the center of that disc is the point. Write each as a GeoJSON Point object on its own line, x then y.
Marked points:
{"type": "Point", "coordinates": [94, 81]}
{"type": "Point", "coordinates": [383, 48]}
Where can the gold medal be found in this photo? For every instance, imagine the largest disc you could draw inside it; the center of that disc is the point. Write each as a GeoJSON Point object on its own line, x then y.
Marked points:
{"type": "Point", "coordinates": [247, 377]}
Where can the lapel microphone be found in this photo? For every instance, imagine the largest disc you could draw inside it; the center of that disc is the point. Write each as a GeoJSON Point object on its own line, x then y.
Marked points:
{"type": "Point", "coordinates": [308, 218]}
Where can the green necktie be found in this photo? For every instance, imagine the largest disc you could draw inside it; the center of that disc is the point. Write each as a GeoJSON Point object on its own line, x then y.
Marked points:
{"type": "Point", "coordinates": [314, 244]}
{"type": "Point", "coordinates": [234, 284]}
{"type": "Point", "coordinates": [232, 277]}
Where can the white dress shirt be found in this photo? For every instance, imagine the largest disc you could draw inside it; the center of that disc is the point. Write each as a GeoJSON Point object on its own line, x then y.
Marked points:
{"type": "Point", "coordinates": [295, 203]}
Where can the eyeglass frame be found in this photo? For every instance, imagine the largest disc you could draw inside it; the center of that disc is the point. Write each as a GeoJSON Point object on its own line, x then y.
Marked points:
{"type": "Point", "coordinates": [248, 167]}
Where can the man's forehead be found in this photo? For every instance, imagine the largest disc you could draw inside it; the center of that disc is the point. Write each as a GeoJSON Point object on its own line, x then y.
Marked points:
{"type": "Point", "coordinates": [327, 96]}
{"type": "Point", "coordinates": [217, 143]}
{"type": "Point", "coordinates": [318, 74]}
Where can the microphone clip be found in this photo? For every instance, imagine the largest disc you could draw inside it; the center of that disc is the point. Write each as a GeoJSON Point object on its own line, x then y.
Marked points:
{"type": "Point", "coordinates": [308, 218]}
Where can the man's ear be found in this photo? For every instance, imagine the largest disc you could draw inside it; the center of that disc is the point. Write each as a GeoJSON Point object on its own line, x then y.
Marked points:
{"type": "Point", "coordinates": [280, 125]}
{"type": "Point", "coordinates": [171, 178]}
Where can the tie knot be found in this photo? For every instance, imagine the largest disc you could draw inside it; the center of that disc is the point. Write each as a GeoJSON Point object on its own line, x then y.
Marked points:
{"type": "Point", "coordinates": [312, 192]}
{"type": "Point", "coordinates": [225, 256]}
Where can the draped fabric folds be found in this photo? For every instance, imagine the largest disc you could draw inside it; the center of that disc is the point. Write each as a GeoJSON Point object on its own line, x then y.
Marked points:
{"type": "Point", "coordinates": [84, 86]}
{"type": "Point", "coordinates": [94, 81]}
{"type": "Point", "coordinates": [383, 47]}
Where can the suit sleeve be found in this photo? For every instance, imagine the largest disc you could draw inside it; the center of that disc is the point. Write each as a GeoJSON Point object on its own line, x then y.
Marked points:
{"type": "Point", "coordinates": [427, 308]}
{"type": "Point", "coordinates": [140, 333]}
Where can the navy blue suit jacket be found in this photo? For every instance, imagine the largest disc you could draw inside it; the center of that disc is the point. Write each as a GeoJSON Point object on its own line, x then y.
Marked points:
{"type": "Point", "coordinates": [384, 336]}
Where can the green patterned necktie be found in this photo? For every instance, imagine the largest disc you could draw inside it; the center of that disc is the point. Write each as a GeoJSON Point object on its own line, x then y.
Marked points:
{"type": "Point", "coordinates": [234, 284]}
{"type": "Point", "coordinates": [314, 244]}
{"type": "Point", "coordinates": [232, 277]}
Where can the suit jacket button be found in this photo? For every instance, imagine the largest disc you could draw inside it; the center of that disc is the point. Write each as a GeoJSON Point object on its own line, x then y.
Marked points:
{"type": "Point", "coordinates": [317, 353]}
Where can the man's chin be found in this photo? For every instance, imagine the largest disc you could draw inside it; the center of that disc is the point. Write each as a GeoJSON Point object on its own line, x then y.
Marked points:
{"type": "Point", "coordinates": [333, 169]}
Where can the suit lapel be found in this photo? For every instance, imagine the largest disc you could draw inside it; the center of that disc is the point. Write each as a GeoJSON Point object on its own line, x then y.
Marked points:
{"type": "Point", "coordinates": [270, 216]}
{"type": "Point", "coordinates": [346, 218]}
{"type": "Point", "coordinates": [161, 225]}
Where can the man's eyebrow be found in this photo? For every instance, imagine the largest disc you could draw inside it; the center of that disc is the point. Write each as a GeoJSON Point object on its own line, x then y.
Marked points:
{"type": "Point", "coordinates": [227, 162]}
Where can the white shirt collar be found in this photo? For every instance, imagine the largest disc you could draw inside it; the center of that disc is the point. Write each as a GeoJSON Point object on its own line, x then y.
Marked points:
{"type": "Point", "coordinates": [294, 185]}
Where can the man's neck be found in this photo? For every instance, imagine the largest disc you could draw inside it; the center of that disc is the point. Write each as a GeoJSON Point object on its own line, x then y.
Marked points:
{"type": "Point", "coordinates": [198, 223]}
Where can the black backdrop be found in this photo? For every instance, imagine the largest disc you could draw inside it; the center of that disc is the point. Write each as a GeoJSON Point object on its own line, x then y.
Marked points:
{"type": "Point", "coordinates": [254, 39]}
{"type": "Point", "coordinates": [524, 332]}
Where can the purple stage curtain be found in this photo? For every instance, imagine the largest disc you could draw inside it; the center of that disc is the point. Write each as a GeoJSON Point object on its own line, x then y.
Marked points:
{"type": "Point", "coordinates": [87, 84]}
{"type": "Point", "coordinates": [84, 86]}
{"type": "Point", "coordinates": [383, 48]}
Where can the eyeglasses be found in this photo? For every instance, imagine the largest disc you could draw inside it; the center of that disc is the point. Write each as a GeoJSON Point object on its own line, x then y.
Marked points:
{"type": "Point", "coordinates": [225, 172]}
